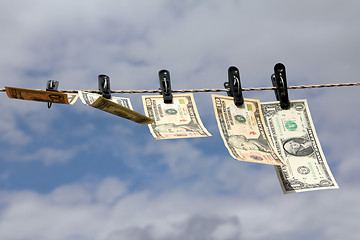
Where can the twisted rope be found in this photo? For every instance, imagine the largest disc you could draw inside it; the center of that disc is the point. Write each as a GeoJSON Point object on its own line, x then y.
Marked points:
{"type": "Point", "coordinates": [216, 89]}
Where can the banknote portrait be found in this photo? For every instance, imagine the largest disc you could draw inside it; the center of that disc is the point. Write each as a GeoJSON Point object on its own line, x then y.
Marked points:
{"type": "Point", "coordinates": [242, 143]}
{"type": "Point", "coordinates": [298, 147]}
{"type": "Point", "coordinates": [171, 128]}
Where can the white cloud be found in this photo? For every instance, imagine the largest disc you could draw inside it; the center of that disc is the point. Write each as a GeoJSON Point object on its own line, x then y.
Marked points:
{"type": "Point", "coordinates": [77, 42]}
{"type": "Point", "coordinates": [46, 155]}
{"type": "Point", "coordinates": [84, 210]}
{"type": "Point", "coordinates": [230, 230]}
{"type": "Point", "coordinates": [11, 135]}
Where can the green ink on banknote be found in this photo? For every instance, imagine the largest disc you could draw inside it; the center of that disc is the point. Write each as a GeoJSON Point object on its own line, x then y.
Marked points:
{"type": "Point", "coordinates": [312, 170]}
{"type": "Point", "coordinates": [171, 111]}
{"type": "Point", "coordinates": [291, 126]}
{"type": "Point", "coordinates": [240, 118]}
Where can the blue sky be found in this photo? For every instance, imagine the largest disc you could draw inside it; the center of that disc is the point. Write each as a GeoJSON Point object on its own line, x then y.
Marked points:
{"type": "Point", "coordinates": [74, 172]}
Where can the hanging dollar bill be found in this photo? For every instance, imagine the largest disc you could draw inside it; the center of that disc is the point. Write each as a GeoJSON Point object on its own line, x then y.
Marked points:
{"type": "Point", "coordinates": [116, 105]}
{"type": "Point", "coordinates": [243, 130]}
{"type": "Point", "coordinates": [294, 137]}
{"type": "Point", "coordinates": [179, 119]}
{"type": "Point", "coordinates": [41, 95]}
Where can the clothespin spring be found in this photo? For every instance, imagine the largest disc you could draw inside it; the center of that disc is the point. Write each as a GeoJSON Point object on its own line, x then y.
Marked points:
{"type": "Point", "coordinates": [51, 85]}
{"type": "Point", "coordinates": [235, 86]}
{"type": "Point", "coordinates": [279, 81]}
{"type": "Point", "coordinates": [165, 86]}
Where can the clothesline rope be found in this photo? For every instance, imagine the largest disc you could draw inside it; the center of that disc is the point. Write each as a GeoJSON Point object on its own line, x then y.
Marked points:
{"type": "Point", "coordinates": [215, 90]}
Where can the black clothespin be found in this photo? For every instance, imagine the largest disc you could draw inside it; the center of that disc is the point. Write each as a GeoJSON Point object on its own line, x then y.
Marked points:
{"type": "Point", "coordinates": [52, 85]}
{"type": "Point", "coordinates": [165, 86]}
{"type": "Point", "coordinates": [279, 81]}
{"type": "Point", "coordinates": [104, 86]}
{"type": "Point", "coordinates": [235, 86]}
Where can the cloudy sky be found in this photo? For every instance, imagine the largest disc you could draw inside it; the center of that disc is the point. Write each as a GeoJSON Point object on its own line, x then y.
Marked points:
{"type": "Point", "coordinates": [76, 173]}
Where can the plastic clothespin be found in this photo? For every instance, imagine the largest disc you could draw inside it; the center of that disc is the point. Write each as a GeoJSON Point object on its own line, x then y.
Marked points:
{"type": "Point", "coordinates": [235, 86]}
{"type": "Point", "coordinates": [279, 81]}
{"type": "Point", "coordinates": [165, 86]}
{"type": "Point", "coordinates": [52, 85]}
{"type": "Point", "coordinates": [104, 86]}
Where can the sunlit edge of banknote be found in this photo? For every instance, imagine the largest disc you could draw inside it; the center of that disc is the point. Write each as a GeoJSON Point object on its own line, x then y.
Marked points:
{"type": "Point", "coordinates": [267, 135]}
{"type": "Point", "coordinates": [72, 98]}
{"type": "Point", "coordinates": [278, 168]}
{"type": "Point", "coordinates": [42, 92]}
{"type": "Point", "coordinates": [81, 96]}
{"type": "Point", "coordinates": [145, 119]}
{"type": "Point", "coordinates": [208, 134]}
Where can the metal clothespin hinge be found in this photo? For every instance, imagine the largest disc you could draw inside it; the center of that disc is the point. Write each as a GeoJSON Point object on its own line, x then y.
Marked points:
{"type": "Point", "coordinates": [104, 86]}
{"type": "Point", "coordinates": [51, 85]}
{"type": "Point", "coordinates": [235, 86]}
{"type": "Point", "coordinates": [165, 86]}
{"type": "Point", "coordinates": [279, 81]}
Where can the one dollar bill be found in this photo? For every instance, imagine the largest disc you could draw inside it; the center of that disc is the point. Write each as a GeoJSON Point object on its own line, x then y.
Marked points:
{"type": "Point", "coordinates": [295, 139]}
{"type": "Point", "coordinates": [243, 131]}
{"type": "Point", "coordinates": [41, 95]}
{"type": "Point", "coordinates": [179, 119]}
{"type": "Point", "coordinates": [116, 105]}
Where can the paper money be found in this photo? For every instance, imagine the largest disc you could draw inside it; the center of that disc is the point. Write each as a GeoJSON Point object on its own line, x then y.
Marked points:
{"type": "Point", "coordinates": [116, 105]}
{"type": "Point", "coordinates": [41, 95]}
{"type": "Point", "coordinates": [243, 131]}
{"type": "Point", "coordinates": [295, 139]}
{"type": "Point", "coordinates": [179, 119]}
